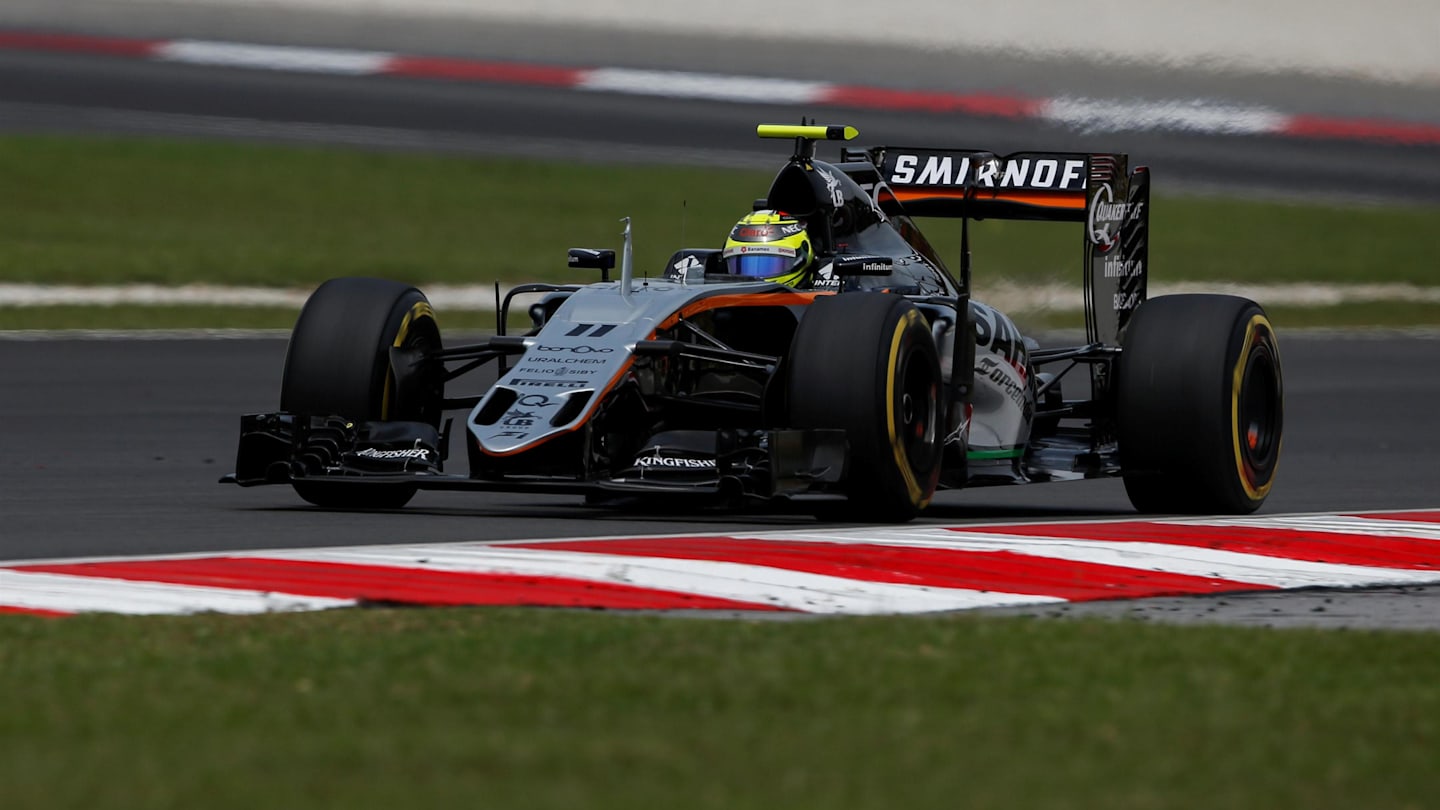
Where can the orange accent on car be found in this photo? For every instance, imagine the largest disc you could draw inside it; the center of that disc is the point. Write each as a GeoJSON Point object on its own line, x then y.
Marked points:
{"type": "Point", "coordinates": [777, 299]}
{"type": "Point", "coordinates": [1066, 199]}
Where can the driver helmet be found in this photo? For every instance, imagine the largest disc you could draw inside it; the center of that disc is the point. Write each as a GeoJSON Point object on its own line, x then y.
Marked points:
{"type": "Point", "coordinates": [769, 245]}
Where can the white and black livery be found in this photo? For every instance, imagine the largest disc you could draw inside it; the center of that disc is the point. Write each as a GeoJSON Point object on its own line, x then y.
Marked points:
{"type": "Point", "coordinates": [858, 393]}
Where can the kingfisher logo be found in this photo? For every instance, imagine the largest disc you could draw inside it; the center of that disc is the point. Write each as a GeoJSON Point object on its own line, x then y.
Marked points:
{"type": "Point", "coordinates": [673, 462]}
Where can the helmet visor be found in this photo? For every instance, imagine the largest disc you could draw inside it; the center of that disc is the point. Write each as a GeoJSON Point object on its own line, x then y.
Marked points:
{"type": "Point", "coordinates": [759, 265]}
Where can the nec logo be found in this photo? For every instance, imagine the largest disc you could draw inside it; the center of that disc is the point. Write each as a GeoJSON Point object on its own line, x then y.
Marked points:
{"type": "Point", "coordinates": [986, 171]}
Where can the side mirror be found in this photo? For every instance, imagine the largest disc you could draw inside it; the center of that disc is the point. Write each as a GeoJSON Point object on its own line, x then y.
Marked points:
{"type": "Point", "coordinates": [592, 259]}
{"type": "Point", "coordinates": [863, 265]}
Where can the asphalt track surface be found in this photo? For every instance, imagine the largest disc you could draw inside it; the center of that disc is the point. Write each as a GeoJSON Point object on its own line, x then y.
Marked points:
{"type": "Point", "coordinates": [113, 447]}
{"type": "Point", "coordinates": [67, 92]}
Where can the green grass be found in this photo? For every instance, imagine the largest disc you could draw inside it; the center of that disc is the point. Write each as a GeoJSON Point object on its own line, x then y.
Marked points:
{"type": "Point", "coordinates": [91, 211]}
{"type": "Point", "coordinates": [83, 211]}
{"type": "Point", "coordinates": [1229, 240]}
{"type": "Point", "coordinates": [538, 709]}
{"type": "Point", "coordinates": [1366, 315]}
{"type": "Point", "coordinates": [113, 211]}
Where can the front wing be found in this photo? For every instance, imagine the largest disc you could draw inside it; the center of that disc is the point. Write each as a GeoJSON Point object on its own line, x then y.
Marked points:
{"type": "Point", "coordinates": [283, 448]}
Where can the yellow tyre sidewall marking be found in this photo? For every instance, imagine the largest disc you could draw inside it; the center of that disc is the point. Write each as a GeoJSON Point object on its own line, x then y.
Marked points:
{"type": "Point", "coordinates": [1252, 333]}
{"type": "Point", "coordinates": [902, 460]}
{"type": "Point", "coordinates": [420, 309]}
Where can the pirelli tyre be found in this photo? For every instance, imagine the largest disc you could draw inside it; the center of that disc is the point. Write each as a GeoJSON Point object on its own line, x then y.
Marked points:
{"type": "Point", "coordinates": [339, 364]}
{"type": "Point", "coordinates": [866, 362]}
{"type": "Point", "coordinates": [1200, 405]}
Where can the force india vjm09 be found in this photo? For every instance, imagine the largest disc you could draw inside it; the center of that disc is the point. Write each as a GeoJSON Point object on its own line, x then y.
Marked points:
{"type": "Point", "coordinates": [858, 388]}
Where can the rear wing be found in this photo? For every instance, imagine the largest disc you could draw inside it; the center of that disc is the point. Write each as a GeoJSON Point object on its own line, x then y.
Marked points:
{"type": "Point", "coordinates": [1095, 189]}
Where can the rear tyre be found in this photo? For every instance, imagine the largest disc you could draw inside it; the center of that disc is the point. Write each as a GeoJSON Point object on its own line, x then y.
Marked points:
{"type": "Point", "coordinates": [1200, 405]}
{"type": "Point", "coordinates": [338, 364]}
{"type": "Point", "coordinates": [866, 363]}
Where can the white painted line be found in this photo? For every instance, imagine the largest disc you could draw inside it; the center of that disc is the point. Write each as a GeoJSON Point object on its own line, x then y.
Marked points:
{"type": "Point", "coordinates": [795, 590]}
{"type": "Point", "coordinates": [37, 335]}
{"type": "Point", "coordinates": [707, 86]}
{"type": "Point", "coordinates": [77, 594]}
{"type": "Point", "coordinates": [458, 297]}
{"type": "Point", "coordinates": [1091, 115]}
{"type": "Point", "coordinates": [273, 57]}
{"type": "Point", "coordinates": [45, 295]}
{"type": "Point", "coordinates": [1006, 296]}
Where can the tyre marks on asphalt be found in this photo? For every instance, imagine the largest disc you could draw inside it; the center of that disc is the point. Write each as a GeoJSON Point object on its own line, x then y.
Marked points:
{"type": "Point", "coordinates": [875, 570]}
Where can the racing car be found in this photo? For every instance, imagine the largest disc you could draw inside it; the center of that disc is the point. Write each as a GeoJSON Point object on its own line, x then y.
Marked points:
{"type": "Point", "coordinates": [855, 395]}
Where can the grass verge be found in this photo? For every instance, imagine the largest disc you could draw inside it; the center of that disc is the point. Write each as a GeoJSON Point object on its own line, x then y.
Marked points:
{"type": "Point", "coordinates": [537, 709]}
{"type": "Point", "coordinates": [97, 211]}
{"type": "Point", "coordinates": [1365, 315]}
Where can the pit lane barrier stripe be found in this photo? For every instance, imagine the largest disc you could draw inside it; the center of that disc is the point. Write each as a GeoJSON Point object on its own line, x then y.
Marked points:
{"type": "Point", "coordinates": [872, 570]}
{"type": "Point", "coordinates": [1088, 115]}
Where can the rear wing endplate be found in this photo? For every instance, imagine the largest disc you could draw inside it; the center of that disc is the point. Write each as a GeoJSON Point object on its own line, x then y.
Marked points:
{"type": "Point", "coordinates": [1095, 189]}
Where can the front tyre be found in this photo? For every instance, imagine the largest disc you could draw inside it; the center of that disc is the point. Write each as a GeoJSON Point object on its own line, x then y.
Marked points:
{"type": "Point", "coordinates": [339, 364]}
{"type": "Point", "coordinates": [866, 362]}
{"type": "Point", "coordinates": [1200, 405]}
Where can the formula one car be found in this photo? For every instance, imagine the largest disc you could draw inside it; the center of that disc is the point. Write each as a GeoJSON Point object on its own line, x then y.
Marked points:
{"type": "Point", "coordinates": [857, 394]}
